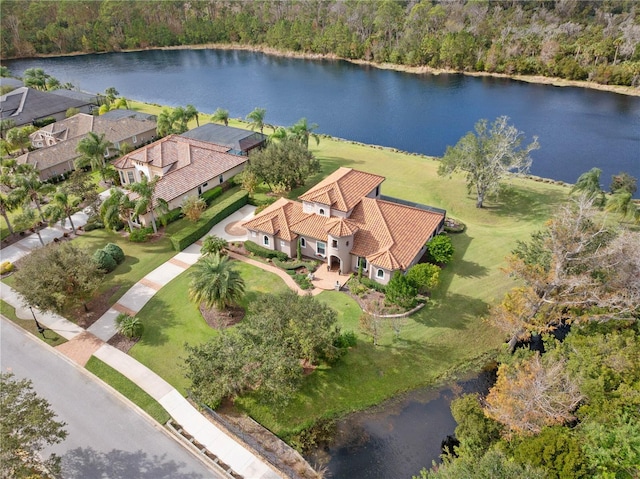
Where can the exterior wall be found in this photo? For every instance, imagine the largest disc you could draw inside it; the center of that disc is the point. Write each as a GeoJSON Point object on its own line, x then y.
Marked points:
{"type": "Point", "coordinates": [288, 247]}
{"type": "Point", "coordinates": [57, 170]}
{"type": "Point", "coordinates": [354, 266]}
{"type": "Point", "coordinates": [341, 250]}
{"type": "Point", "coordinates": [420, 254]}
{"type": "Point", "coordinates": [375, 193]}
{"type": "Point", "coordinates": [309, 207]}
{"type": "Point", "coordinates": [373, 274]}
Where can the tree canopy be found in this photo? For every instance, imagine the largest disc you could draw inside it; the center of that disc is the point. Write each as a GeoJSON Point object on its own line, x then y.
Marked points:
{"type": "Point", "coordinates": [27, 426]}
{"type": "Point", "coordinates": [488, 155]}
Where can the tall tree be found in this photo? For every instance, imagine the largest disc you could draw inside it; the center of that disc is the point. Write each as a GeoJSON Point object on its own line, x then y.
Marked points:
{"type": "Point", "coordinates": [35, 78]}
{"type": "Point", "coordinates": [62, 206]}
{"type": "Point", "coordinates": [146, 200]}
{"type": "Point", "coordinates": [625, 182]}
{"type": "Point", "coordinates": [213, 245]}
{"type": "Point", "coordinates": [27, 427]}
{"type": "Point", "coordinates": [302, 130]}
{"type": "Point", "coordinates": [9, 202]}
{"type": "Point", "coordinates": [221, 115]}
{"type": "Point", "coordinates": [94, 149]}
{"type": "Point", "coordinates": [28, 220]}
{"type": "Point", "coordinates": [589, 184]}
{"type": "Point", "coordinates": [29, 186]}
{"type": "Point", "coordinates": [487, 155]}
{"type": "Point", "coordinates": [256, 119]}
{"type": "Point", "coordinates": [116, 209]}
{"type": "Point", "coordinates": [18, 138]}
{"type": "Point", "coordinates": [57, 276]}
{"type": "Point", "coordinates": [192, 113]}
{"type": "Point", "coordinates": [215, 283]}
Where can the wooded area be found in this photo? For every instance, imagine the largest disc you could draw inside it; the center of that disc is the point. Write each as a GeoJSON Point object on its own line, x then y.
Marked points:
{"type": "Point", "coordinates": [572, 39]}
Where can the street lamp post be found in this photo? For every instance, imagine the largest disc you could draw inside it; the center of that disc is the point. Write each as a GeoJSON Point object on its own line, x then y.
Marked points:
{"type": "Point", "coordinates": [38, 325]}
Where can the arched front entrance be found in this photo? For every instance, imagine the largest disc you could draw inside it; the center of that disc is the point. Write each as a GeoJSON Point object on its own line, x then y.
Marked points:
{"type": "Point", "coordinates": [334, 263]}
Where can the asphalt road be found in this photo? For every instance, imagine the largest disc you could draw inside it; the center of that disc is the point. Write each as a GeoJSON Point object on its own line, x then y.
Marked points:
{"type": "Point", "coordinates": [106, 437]}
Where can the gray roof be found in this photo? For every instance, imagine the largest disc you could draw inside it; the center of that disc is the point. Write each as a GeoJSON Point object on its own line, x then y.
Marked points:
{"type": "Point", "coordinates": [233, 138]}
{"type": "Point", "coordinates": [76, 95]}
{"type": "Point", "coordinates": [119, 114]}
{"type": "Point", "coordinates": [14, 82]}
{"type": "Point", "coordinates": [24, 105]}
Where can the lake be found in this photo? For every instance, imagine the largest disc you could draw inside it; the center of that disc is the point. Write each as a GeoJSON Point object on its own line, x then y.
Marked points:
{"type": "Point", "coordinates": [578, 128]}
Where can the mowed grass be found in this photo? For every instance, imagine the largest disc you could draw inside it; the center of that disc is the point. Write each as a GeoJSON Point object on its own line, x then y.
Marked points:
{"type": "Point", "coordinates": [140, 259]}
{"type": "Point", "coordinates": [50, 337]}
{"type": "Point", "coordinates": [171, 320]}
{"type": "Point", "coordinates": [128, 389]}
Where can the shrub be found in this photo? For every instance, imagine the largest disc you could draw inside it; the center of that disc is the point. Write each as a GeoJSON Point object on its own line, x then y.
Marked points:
{"type": "Point", "coordinates": [213, 245]}
{"type": "Point", "coordinates": [193, 207]}
{"type": "Point", "coordinates": [115, 251]}
{"type": "Point", "coordinates": [303, 281]}
{"type": "Point", "coordinates": [104, 261]}
{"type": "Point", "coordinates": [258, 250]}
{"type": "Point", "coordinates": [440, 249]}
{"type": "Point", "coordinates": [216, 213]}
{"type": "Point", "coordinates": [401, 291]}
{"type": "Point", "coordinates": [171, 216]}
{"type": "Point", "coordinates": [6, 267]}
{"type": "Point", "coordinates": [289, 264]}
{"type": "Point", "coordinates": [424, 276]}
{"type": "Point", "coordinates": [372, 284]}
{"type": "Point", "coordinates": [140, 235]}
{"type": "Point", "coordinates": [347, 339]}
{"type": "Point", "coordinates": [210, 195]}
{"type": "Point", "coordinates": [129, 326]}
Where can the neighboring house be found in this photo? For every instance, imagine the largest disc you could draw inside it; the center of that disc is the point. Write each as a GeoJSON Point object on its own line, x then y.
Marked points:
{"type": "Point", "coordinates": [237, 140]}
{"type": "Point", "coordinates": [25, 105]}
{"type": "Point", "coordinates": [186, 167]}
{"type": "Point", "coordinates": [56, 143]}
{"type": "Point", "coordinates": [346, 222]}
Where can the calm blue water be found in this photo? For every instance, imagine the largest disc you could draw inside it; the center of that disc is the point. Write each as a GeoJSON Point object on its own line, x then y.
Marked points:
{"type": "Point", "coordinates": [578, 128]}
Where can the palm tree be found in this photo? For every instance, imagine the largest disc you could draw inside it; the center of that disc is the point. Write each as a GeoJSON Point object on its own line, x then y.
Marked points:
{"type": "Point", "coordinates": [179, 120]}
{"type": "Point", "coordinates": [93, 149]}
{"type": "Point", "coordinates": [163, 125]}
{"type": "Point", "coordinates": [35, 78]}
{"type": "Point", "coordinates": [221, 115]}
{"type": "Point", "coordinates": [116, 208]}
{"type": "Point", "coordinates": [191, 112]}
{"type": "Point", "coordinates": [256, 119]}
{"type": "Point", "coordinates": [61, 208]}
{"type": "Point", "coordinates": [213, 245]}
{"type": "Point", "coordinates": [18, 138]}
{"type": "Point", "coordinates": [27, 220]}
{"type": "Point", "coordinates": [145, 201]}
{"type": "Point", "coordinates": [589, 184]}
{"type": "Point", "coordinates": [620, 202]}
{"type": "Point", "coordinates": [301, 131]}
{"type": "Point", "coordinates": [29, 186]}
{"type": "Point", "coordinates": [129, 326]}
{"type": "Point", "coordinates": [9, 201]}
{"type": "Point", "coordinates": [215, 283]}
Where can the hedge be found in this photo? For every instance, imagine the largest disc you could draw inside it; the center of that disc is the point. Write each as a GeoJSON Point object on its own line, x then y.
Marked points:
{"type": "Point", "coordinates": [258, 250]}
{"type": "Point", "coordinates": [171, 216]}
{"type": "Point", "coordinates": [192, 232]}
{"type": "Point", "coordinates": [211, 194]}
{"type": "Point", "coordinates": [287, 265]}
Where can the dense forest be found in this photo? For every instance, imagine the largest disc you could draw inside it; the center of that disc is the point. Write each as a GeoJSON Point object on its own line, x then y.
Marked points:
{"type": "Point", "coordinates": [590, 40]}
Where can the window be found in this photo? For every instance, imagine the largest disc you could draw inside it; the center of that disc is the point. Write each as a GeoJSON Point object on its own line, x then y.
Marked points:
{"type": "Point", "coordinates": [265, 240]}
{"type": "Point", "coordinates": [303, 243]}
{"type": "Point", "coordinates": [283, 244]}
{"type": "Point", "coordinates": [362, 262]}
{"type": "Point", "coordinates": [322, 211]}
{"type": "Point", "coordinates": [347, 243]}
{"type": "Point", "coordinates": [378, 190]}
{"type": "Point", "coordinates": [130, 176]}
{"type": "Point", "coordinates": [380, 274]}
{"type": "Point", "coordinates": [334, 243]}
{"type": "Point", "coordinates": [221, 179]}
{"type": "Point", "coordinates": [254, 234]}
{"type": "Point", "coordinates": [106, 153]}
{"type": "Point", "coordinates": [122, 180]}
{"type": "Point", "coordinates": [135, 139]}
{"type": "Point", "coordinates": [321, 248]}
{"type": "Point", "coordinates": [204, 185]}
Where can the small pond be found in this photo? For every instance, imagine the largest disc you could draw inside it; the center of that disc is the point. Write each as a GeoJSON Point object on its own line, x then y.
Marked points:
{"type": "Point", "coordinates": [399, 437]}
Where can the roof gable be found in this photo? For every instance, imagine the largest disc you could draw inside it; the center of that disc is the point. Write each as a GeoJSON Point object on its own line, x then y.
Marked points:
{"type": "Point", "coordinates": [343, 189]}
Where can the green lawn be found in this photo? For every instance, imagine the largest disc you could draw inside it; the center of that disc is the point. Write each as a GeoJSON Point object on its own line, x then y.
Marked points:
{"type": "Point", "coordinates": [141, 259]}
{"type": "Point", "coordinates": [171, 320]}
{"type": "Point", "coordinates": [128, 389]}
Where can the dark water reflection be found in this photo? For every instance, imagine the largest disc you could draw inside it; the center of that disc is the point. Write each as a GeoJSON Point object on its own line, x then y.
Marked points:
{"type": "Point", "coordinates": [578, 128]}
{"type": "Point", "coordinates": [399, 437]}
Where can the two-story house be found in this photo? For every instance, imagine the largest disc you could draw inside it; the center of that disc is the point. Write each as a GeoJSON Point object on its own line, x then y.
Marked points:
{"type": "Point", "coordinates": [346, 222]}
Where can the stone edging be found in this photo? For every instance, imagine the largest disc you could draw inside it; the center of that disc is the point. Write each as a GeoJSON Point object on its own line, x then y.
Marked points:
{"type": "Point", "coordinates": [406, 314]}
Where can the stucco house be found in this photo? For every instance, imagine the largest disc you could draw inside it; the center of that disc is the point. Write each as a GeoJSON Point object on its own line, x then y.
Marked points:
{"type": "Point", "coordinates": [345, 221]}
{"type": "Point", "coordinates": [186, 167]}
{"type": "Point", "coordinates": [56, 143]}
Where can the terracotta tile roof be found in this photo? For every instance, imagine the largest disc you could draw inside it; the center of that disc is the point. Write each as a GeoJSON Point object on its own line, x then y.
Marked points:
{"type": "Point", "coordinates": [343, 189]}
{"type": "Point", "coordinates": [339, 227]}
{"type": "Point", "coordinates": [394, 228]}
{"type": "Point", "coordinates": [388, 234]}
{"type": "Point", "coordinates": [276, 219]}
